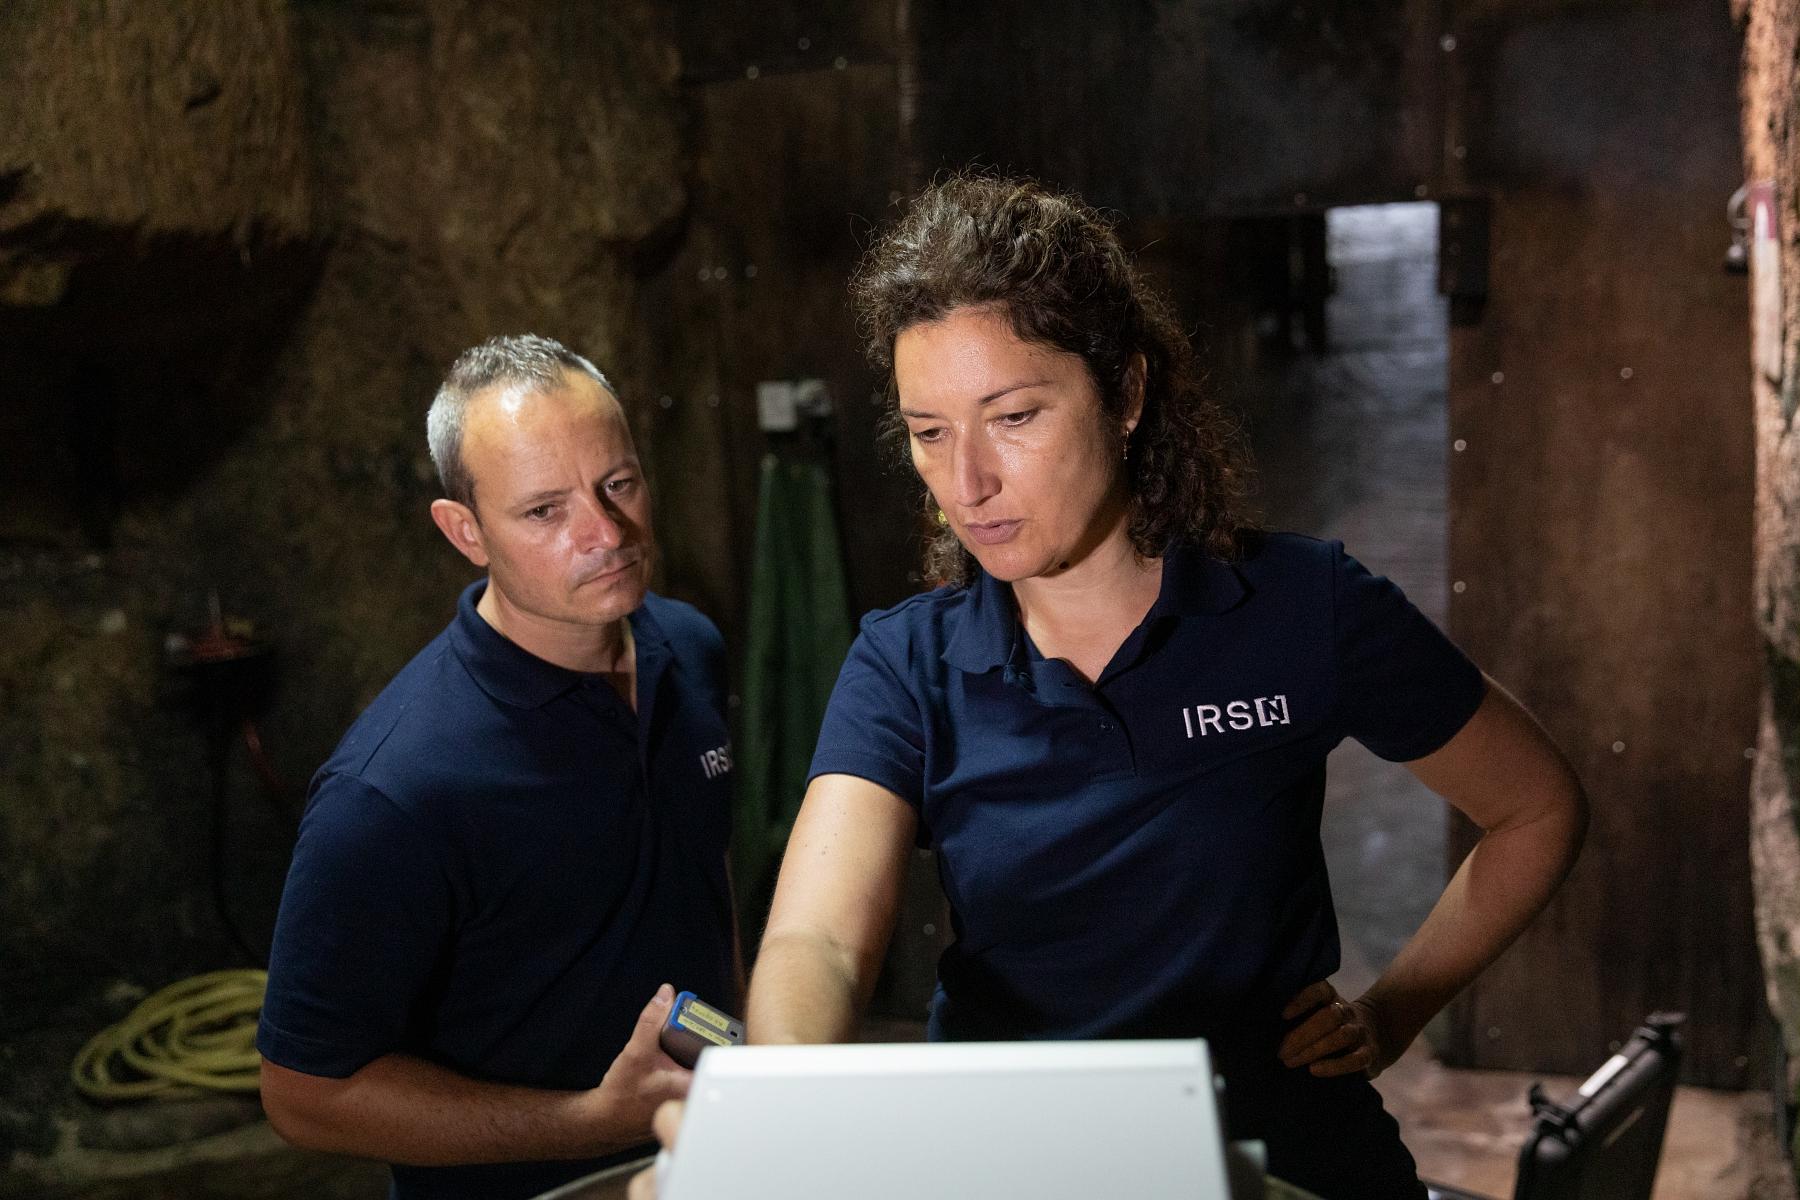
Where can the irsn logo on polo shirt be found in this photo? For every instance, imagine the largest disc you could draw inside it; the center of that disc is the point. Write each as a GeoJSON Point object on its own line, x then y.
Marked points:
{"type": "Point", "coordinates": [716, 762]}
{"type": "Point", "coordinates": [1203, 719]}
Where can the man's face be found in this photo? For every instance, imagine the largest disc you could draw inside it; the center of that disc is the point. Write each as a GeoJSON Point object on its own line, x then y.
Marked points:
{"type": "Point", "coordinates": [562, 516]}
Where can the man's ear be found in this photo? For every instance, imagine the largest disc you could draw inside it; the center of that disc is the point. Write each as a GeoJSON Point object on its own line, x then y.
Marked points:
{"type": "Point", "coordinates": [458, 524]}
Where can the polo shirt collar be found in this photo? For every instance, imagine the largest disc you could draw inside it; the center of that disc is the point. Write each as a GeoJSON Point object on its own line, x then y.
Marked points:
{"type": "Point", "coordinates": [514, 675]}
{"type": "Point", "coordinates": [988, 632]}
{"type": "Point", "coordinates": [1194, 583]}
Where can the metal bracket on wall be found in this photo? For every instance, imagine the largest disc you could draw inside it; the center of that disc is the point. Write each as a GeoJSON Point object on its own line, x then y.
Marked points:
{"type": "Point", "coordinates": [781, 403]}
{"type": "Point", "coordinates": [1463, 228]}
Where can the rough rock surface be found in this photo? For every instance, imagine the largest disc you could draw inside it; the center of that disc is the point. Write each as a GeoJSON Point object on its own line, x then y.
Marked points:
{"type": "Point", "coordinates": [1772, 151]}
{"type": "Point", "coordinates": [144, 121]}
{"type": "Point", "coordinates": [239, 244]}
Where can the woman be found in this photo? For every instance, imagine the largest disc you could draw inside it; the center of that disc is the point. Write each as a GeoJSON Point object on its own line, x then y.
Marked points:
{"type": "Point", "coordinates": [1113, 723]}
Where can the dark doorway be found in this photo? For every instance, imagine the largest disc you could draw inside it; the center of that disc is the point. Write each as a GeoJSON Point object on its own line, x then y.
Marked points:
{"type": "Point", "coordinates": [1350, 435]}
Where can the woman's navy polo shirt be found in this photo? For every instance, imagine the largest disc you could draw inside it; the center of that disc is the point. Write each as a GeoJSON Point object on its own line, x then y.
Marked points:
{"type": "Point", "coordinates": [1141, 857]}
{"type": "Point", "coordinates": [500, 864]}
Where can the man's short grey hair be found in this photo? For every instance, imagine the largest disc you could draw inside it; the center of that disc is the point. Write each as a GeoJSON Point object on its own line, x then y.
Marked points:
{"type": "Point", "coordinates": [512, 360]}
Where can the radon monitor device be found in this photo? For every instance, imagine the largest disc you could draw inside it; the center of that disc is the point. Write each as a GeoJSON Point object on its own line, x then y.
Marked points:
{"type": "Point", "coordinates": [952, 1121]}
{"type": "Point", "coordinates": [693, 1026]}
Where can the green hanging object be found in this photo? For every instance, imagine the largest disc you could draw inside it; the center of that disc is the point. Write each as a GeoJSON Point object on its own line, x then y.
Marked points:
{"type": "Point", "coordinates": [799, 632]}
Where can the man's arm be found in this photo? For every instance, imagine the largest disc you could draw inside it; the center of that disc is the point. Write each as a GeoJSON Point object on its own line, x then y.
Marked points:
{"type": "Point", "coordinates": [402, 1109]}
{"type": "Point", "coordinates": [833, 912]}
{"type": "Point", "coordinates": [1503, 772]}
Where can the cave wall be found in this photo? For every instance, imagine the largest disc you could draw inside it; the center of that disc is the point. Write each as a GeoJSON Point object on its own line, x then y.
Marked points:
{"type": "Point", "coordinates": [795, 133]}
{"type": "Point", "coordinates": [1600, 513]}
{"type": "Point", "coordinates": [158, 236]}
{"type": "Point", "coordinates": [1771, 128]}
{"type": "Point", "coordinates": [239, 244]}
{"type": "Point", "coordinates": [1181, 108]}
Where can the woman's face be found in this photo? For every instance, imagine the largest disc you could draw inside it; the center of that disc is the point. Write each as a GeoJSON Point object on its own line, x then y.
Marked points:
{"type": "Point", "coordinates": [1011, 440]}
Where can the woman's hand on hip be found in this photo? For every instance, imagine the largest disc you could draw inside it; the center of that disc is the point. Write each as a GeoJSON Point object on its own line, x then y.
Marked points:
{"type": "Point", "coordinates": [1334, 1036]}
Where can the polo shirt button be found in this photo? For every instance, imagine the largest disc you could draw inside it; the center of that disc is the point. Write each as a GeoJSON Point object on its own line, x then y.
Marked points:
{"type": "Point", "coordinates": [1106, 726]}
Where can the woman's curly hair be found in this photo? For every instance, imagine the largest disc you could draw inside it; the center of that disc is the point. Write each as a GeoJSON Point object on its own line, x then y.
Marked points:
{"type": "Point", "coordinates": [1054, 267]}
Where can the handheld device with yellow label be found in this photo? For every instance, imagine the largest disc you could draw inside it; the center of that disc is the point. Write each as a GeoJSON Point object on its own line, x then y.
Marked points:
{"type": "Point", "coordinates": [693, 1026]}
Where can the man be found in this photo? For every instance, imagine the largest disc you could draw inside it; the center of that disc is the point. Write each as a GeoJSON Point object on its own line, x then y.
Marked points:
{"type": "Point", "coordinates": [524, 837]}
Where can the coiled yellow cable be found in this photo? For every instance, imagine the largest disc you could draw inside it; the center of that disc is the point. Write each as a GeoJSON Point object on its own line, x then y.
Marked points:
{"type": "Point", "coordinates": [198, 1034]}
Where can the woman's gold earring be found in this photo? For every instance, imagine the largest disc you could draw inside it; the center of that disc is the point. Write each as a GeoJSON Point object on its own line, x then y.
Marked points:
{"type": "Point", "coordinates": [941, 518]}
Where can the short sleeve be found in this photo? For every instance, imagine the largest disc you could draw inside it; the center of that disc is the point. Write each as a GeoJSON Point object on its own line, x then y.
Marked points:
{"type": "Point", "coordinates": [1403, 687]}
{"type": "Point", "coordinates": [872, 727]}
{"type": "Point", "coordinates": [711, 646]}
{"type": "Point", "coordinates": [364, 915]}
{"type": "Point", "coordinates": [698, 646]}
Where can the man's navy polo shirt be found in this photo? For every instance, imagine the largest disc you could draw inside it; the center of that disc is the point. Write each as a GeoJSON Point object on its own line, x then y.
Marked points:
{"type": "Point", "coordinates": [500, 864]}
{"type": "Point", "coordinates": [1141, 857]}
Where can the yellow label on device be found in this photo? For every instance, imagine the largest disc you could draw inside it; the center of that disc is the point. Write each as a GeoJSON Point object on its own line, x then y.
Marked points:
{"type": "Point", "coordinates": [686, 1019]}
{"type": "Point", "coordinates": [711, 1016]}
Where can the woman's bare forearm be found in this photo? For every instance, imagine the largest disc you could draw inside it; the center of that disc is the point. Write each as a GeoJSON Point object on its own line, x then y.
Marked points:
{"type": "Point", "coordinates": [1506, 775]}
{"type": "Point", "coordinates": [832, 913]}
{"type": "Point", "coordinates": [1506, 880]}
{"type": "Point", "coordinates": [805, 991]}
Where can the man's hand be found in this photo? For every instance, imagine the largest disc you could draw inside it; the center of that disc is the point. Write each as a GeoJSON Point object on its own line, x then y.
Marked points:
{"type": "Point", "coordinates": [1337, 1037]}
{"type": "Point", "coordinates": [642, 1077]}
{"type": "Point", "coordinates": [666, 1124]}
